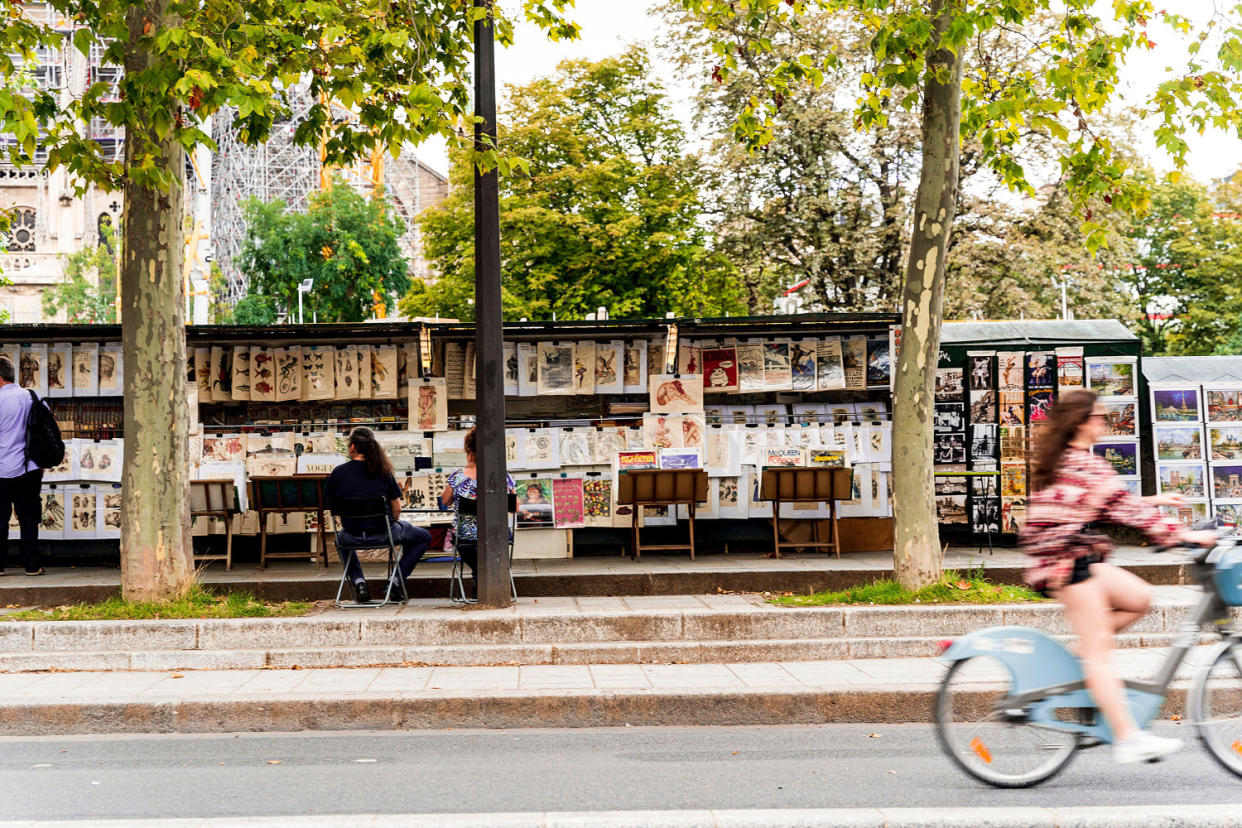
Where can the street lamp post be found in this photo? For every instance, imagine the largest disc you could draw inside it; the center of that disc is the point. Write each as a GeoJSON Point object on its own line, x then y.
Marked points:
{"type": "Point", "coordinates": [493, 574]}
{"type": "Point", "coordinates": [303, 288]}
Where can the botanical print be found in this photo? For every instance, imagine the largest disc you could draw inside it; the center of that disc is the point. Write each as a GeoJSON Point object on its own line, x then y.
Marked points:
{"type": "Point", "coordinates": [1175, 405]}
{"type": "Point", "coordinates": [634, 378]}
{"type": "Point", "coordinates": [949, 384]}
{"type": "Point", "coordinates": [346, 375]}
{"type": "Point", "coordinates": [720, 369]}
{"type": "Point", "coordinates": [802, 357]}
{"type": "Point", "coordinates": [429, 404]}
{"type": "Point", "coordinates": [1110, 377]}
{"type": "Point", "coordinates": [1225, 442]}
{"type": "Point", "coordinates": [568, 507]}
{"type": "Point", "coordinates": [584, 368]}
{"type": "Point", "coordinates": [854, 358]}
{"type": "Point", "coordinates": [750, 376]}
{"type": "Point", "coordinates": [597, 501]}
{"type": "Point", "coordinates": [776, 370]}
{"type": "Point", "coordinates": [1224, 405]}
{"type": "Point", "coordinates": [288, 369]}
{"type": "Point", "coordinates": [556, 368]}
{"type": "Point", "coordinates": [240, 368]}
{"type": "Point", "coordinates": [1177, 442]}
{"type": "Point", "coordinates": [676, 393]}
{"type": "Point", "coordinates": [829, 368]}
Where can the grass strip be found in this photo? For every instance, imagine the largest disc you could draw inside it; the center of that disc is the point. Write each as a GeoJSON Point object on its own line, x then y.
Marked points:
{"type": "Point", "coordinates": [954, 588]}
{"type": "Point", "coordinates": [197, 602]}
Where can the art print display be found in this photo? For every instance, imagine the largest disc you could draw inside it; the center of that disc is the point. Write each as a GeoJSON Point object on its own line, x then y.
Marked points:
{"type": "Point", "coordinates": [657, 358]}
{"type": "Point", "coordinates": [1225, 442]}
{"type": "Point", "coordinates": [1227, 481]}
{"type": "Point", "coordinates": [948, 417]}
{"type": "Point", "coordinates": [802, 357]}
{"type": "Point", "coordinates": [318, 371]}
{"type": "Point", "coordinates": [509, 355]}
{"type": "Point", "coordinates": [634, 370]}
{"type": "Point", "coordinates": [949, 384]}
{"type": "Point", "coordinates": [609, 359]}
{"type": "Point", "coordinates": [980, 367]}
{"type": "Point", "coordinates": [1038, 404]}
{"type": "Point", "coordinates": [692, 428]}
{"type": "Point", "coordinates": [32, 368]}
{"type": "Point", "coordinates": [983, 442]}
{"type": "Point", "coordinates": [270, 455]}
{"type": "Point", "coordinates": [983, 406]}
{"type": "Point", "coordinates": [1229, 514]}
{"type": "Point", "coordinates": [82, 513]}
{"type": "Point", "coordinates": [1178, 442]}
{"type": "Point", "coordinates": [879, 362]}
{"type": "Point", "coordinates": [556, 368]}
{"type": "Point", "coordinates": [1041, 371]}
{"type": "Point", "coordinates": [1013, 514]}
{"type": "Point", "coordinates": [86, 371]}
{"type": "Point", "coordinates": [1111, 376]}
{"type": "Point", "coordinates": [568, 507]}
{"type": "Point", "coordinates": [1119, 418]}
{"type": "Point", "coordinates": [829, 368]}
{"type": "Point", "coordinates": [1224, 405]}
{"type": "Point", "coordinates": [985, 515]}
{"type": "Point", "coordinates": [59, 370]}
{"type": "Point", "coordinates": [540, 449]}
{"type": "Point", "coordinates": [1013, 479]}
{"type": "Point", "coordinates": [1123, 457]}
{"type": "Point", "coordinates": [720, 371]}
{"type": "Point", "coordinates": [854, 359]}
{"type": "Point", "coordinates": [454, 369]}
{"type": "Point", "coordinates": [240, 371]}
{"type": "Point", "coordinates": [676, 393]}
{"type": "Point", "coordinates": [1012, 408]}
{"type": "Point", "coordinates": [750, 377]}
{"type": "Point", "coordinates": [727, 497]}
{"type": "Point", "coordinates": [100, 459]}
{"type": "Point", "coordinates": [428, 404]}
{"type": "Point", "coordinates": [288, 368]}
{"type": "Point", "coordinates": [584, 367]}
{"type": "Point", "coordinates": [722, 451]}
{"type": "Point", "coordinates": [384, 372]}
{"type": "Point", "coordinates": [680, 458]}
{"type": "Point", "coordinates": [662, 430]}
{"type": "Point", "coordinates": [951, 509]}
{"type": "Point", "coordinates": [534, 503]}
{"type": "Point", "coordinates": [108, 512]}
{"type": "Point", "coordinates": [1185, 479]}
{"type": "Point", "coordinates": [597, 501]}
{"type": "Point", "coordinates": [1010, 370]}
{"type": "Point", "coordinates": [949, 448]}
{"type": "Point", "coordinates": [575, 447]}
{"type": "Point", "coordinates": [777, 374]}
{"type": "Point", "coordinates": [1176, 405]}
{"type": "Point", "coordinates": [346, 372]}
{"type": "Point", "coordinates": [1069, 368]}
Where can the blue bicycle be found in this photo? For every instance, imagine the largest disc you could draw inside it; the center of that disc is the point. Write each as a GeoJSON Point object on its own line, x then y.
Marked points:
{"type": "Point", "coordinates": [1013, 709]}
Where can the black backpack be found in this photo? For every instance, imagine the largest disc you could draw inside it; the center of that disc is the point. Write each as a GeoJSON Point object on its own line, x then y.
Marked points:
{"type": "Point", "coordinates": [43, 441]}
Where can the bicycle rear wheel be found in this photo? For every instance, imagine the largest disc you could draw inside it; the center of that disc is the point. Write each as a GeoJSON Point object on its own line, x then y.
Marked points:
{"type": "Point", "coordinates": [993, 744]}
{"type": "Point", "coordinates": [1216, 707]}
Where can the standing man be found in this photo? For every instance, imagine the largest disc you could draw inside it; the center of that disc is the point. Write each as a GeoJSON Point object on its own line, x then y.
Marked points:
{"type": "Point", "coordinates": [20, 478]}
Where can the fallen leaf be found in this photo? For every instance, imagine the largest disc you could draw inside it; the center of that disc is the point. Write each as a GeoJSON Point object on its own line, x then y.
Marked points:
{"type": "Point", "coordinates": [963, 584]}
{"type": "Point", "coordinates": [1175, 718]}
{"type": "Point", "coordinates": [875, 735]}
{"type": "Point", "coordinates": [177, 675]}
{"type": "Point", "coordinates": [893, 772]}
{"type": "Point", "coordinates": [735, 753]}
{"type": "Point", "coordinates": [273, 761]}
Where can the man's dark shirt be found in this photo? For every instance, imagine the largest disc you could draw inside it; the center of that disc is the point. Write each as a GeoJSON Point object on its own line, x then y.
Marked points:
{"type": "Point", "coordinates": [351, 480]}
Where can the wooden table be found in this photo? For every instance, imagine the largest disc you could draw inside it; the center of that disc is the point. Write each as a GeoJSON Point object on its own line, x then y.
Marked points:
{"type": "Point", "coordinates": [806, 485]}
{"type": "Point", "coordinates": [282, 495]}
{"type": "Point", "coordinates": [660, 487]}
{"type": "Point", "coordinates": [215, 499]}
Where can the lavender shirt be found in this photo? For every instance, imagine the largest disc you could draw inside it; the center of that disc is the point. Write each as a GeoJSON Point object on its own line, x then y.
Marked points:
{"type": "Point", "coordinates": [15, 405]}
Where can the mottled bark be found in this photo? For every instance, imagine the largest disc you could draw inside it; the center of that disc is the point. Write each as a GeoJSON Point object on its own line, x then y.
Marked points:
{"type": "Point", "coordinates": [156, 556]}
{"type": "Point", "coordinates": [916, 551]}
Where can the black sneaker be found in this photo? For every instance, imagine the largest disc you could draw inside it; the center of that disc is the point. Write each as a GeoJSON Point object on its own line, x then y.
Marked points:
{"type": "Point", "coordinates": [362, 594]}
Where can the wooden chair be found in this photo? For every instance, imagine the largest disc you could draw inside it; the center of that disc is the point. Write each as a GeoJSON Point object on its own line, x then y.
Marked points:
{"type": "Point", "coordinates": [215, 499]}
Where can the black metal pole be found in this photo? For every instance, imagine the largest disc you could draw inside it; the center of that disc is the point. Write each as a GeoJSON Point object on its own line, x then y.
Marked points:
{"type": "Point", "coordinates": [493, 574]}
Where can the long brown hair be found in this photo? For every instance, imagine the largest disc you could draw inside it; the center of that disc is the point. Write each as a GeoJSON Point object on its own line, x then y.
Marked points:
{"type": "Point", "coordinates": [1071, 410]}
{"type": "Point", "coordinates": [364, 443]}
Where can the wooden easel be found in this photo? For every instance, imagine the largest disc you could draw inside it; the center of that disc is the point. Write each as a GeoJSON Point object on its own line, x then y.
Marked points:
{"type": "Point", "coordinates": [806, 485]}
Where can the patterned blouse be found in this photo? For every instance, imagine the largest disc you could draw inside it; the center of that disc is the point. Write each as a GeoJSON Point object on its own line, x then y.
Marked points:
{"type": "Point", "coordinates": [468, 487]}
{"type": "Point", "coordinates": [1086, 490]}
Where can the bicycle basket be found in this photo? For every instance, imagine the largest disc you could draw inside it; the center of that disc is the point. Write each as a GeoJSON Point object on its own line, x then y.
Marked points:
{"type": "Point", "coordinates": [1228, 577]}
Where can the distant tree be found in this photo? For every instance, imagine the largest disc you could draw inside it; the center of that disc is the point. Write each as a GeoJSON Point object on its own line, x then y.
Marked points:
{"type": "Point", "coordinates": [88, 292]}
{"type": "Point", "coordinates": [345, 241]}
{"type": "Point", "coordinates": [220, 310]}
{"type": "Point", "coordinates": [605, 211]}
{"type": "Point", "coordinates": [254, 310]}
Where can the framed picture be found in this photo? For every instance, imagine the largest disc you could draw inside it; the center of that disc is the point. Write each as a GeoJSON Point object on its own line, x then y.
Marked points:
{"type": "Point", "coordinates": [1186, 479]}
{"type": "Point", "coordinates": [1178, 442]}
{"type": "Point", "coordinates": [1225, 442]}
{"type": "Point", "coordinates": [1123, 457]}
{"type": "Point", "coordinates": [1224, 404]}
{"type": "Point", "coordinates": [1111, 376]}
{"type": "Point", "coordinates": [1227, 481]}
{"type": "Point", "coordinates": [1176, 405]}
{"type": "Point", "coordinates": [1120, 419]}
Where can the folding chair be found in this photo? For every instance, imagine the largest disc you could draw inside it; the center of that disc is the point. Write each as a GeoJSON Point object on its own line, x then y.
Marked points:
{"type": "Point", "coordinates": [457, 583]}
{"type": "Point", "coordinates": [360, 508]}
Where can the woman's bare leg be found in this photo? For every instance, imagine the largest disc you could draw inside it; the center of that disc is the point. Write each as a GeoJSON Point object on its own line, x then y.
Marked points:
{"type": "Point", "coordinates": [1090, 614]}
{"type": "Point", "coordinates": [1128, 594]}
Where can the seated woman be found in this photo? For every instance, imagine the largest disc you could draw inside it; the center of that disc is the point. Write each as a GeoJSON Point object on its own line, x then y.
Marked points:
{"type": "Point", "coordinates": [464, 483]}
{"type": "Point", "coordinates": [369, 474]}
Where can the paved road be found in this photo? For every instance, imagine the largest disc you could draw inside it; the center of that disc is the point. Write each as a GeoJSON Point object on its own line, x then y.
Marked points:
{"type": "Point", "coordinates": [832, 766]}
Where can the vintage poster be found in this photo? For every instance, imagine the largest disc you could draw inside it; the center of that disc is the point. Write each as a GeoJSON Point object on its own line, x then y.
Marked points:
{"type": "Point", "coordinates": [111, 382]}
{"type": "Point", "coordinates": [609, 364]}
{"type": "Point", "coordinates": [983, 406]}
{"type": "Point", "coordinates": [568, 506]}
{"type": "Point", "coordinates": [509, 353]}
{"type": "Point", "coordinates": [681, 458]}
{"type": "Point", "coordinates": [288, 368]}
{"type": "Point", "coordinates": [540, 449]}
{"type": "Point", "coordinates": [676, 393]}
{"type": "Point", "coordinates": [1013, 514]}
{"type": "Point", "coordinates": [528, 369]}
{"type": "Point", "coordinates": [455, 370]}
{"type": "Point", "coordinates": [722, 451]}
{"type": "Point", "coordinates": [948, 417]}
{"type": "Point", "coordinates": [949, 448]}
{"type": "Point", "coordinates": [720, 370]}
{"type": "Point", "coordinates": [692, 428]}
{"type": "Point", "coordinates": [802, 356]}
{"type": "Point", "coordinates": [689, 358]}
{"type": "Point", "coordinates": [221, 373]}
{"type": "Point", "coordinates": [575, 446]}
{"type": "Point", "coordinates": [634, 372]}
{"type": "Point", "coordinates": [829, 369]}
{"type": "Point", "coordinates": [1176, 405]}
{"type": "Point", "coordinates": [1224, 404]}
{"type": "Point", "coordinates": [657, 358]}
{"type": "Point", "coordinates": [240, 369]}
{"type": "Point", "coordinates": [534, 503]}
{"type": "Point", "coordinates": [637, 460]}
{"type": "Point", "coordinates": [108, 511]}
{"type": "Point", "coordinates": [1041, 371]}
{"type": "Point", "coordinates": [879, 362]}
{"type": "Point", "coordinates": [1225, 442]}
{"type": "Point", "coordinates": [1177, 442]}
{"type": "Point", "coordinates": [429, 404]}
{"type": "Point", "coordinates": [1119, 421]}
{"type": "Point", "coordinates": [1227, 481]}
{"type": "Point", "coordinates": [384, 372]}
{"type": "Point", "coordinates": [597, 501]}
{"type": "Point", "coordinates": [59, 370]}
{"type": "Point", "coordinates": [1069, 368]}
{"type": "Point", "coordinates": [662, 431]}
{"type": "Point", "coordinates": [86, 372]}
{"type": "Point", "coordinates": [1012, 408]}
{"type": "Point", "coordinates": [1111, 376]}
{"type": "Point", "coordinates": [469, 375]}
{"type": "Point", "coordinates": [750, 372]}
{"type": "Point", "coordinates": [983, 443]}
{"type": "Point", "coordinates": [980, 365]}
{"type": "Point", "coordinates": [951, 509]}
{"type": "Point", "coordinates": [82, 520]}
{"type": "Point", "coordinates": [318, 371]}
{"type": "Point", "coordinates": [608, 441]}
{"type": "Point", "coordinates": [1038, 404]}
{"type": "Point", "coordinates": [363, 355]}
{"type": "Point", "coordinates": [1013, 442]}
{"type": "Point", "coordinates": [784, 457]}
{"type": "Point", "coordinates": [346, 372]}
{"type": "Point", "coordinates": [854, 360]}
{"type": "Point", "coordinates": [32, 370]}
{"type": "Point", "coordinates": [52, 525]}
{"type": "Point", "coordinates": [584, 367]}
{"type": "Point", "coordinates": [1013, 479]}
{"type": "Point", "coordinates": [1010, 370]}
{"type": "Point", "coordinates": [1185, 479]}
{"type": "Point", "coordinates": [777, 375]}
{"type": "Point", "coordinates": [949, 384]}
{"type": "Point", "coordinates": [556, 368]}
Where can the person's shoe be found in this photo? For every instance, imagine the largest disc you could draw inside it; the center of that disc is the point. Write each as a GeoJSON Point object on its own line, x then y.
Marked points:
{"type": "Point", "coordinates": [33, 572]}
{"type": "Point", "coordinates": [1144, 746]}
{"type": "Point", "coordinates": [362, 594]}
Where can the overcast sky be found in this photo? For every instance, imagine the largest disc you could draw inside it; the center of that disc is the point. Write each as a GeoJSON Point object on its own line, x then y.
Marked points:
{"type": "Point", "coordinates": [608, 26]}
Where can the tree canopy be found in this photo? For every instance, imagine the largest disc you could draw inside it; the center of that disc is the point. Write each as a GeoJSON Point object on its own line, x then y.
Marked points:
{"type": "Point", "coordinates": [604, 211]}
{"type": "Point", "coordinates": [346, 242]}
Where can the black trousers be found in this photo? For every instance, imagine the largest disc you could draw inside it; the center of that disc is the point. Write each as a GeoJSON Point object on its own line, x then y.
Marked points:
{"type": "Point", "coordinates": [22, 494]}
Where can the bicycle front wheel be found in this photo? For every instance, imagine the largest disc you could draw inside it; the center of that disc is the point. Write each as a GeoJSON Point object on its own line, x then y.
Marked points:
{"type": "Point", "coordinates": [1216, 707]}
{"type": "Point", "coordinates": [995, 745]}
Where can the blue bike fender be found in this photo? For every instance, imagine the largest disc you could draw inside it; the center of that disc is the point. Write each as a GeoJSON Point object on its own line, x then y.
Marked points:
{"type": "Point", "coordinates": [1033, 658]}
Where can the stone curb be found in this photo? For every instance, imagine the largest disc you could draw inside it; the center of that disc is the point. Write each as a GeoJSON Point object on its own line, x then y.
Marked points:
{"type": "Point", "coordinates": [495, 710]}
{"type": "Point", "coordinates": [1146, 816]}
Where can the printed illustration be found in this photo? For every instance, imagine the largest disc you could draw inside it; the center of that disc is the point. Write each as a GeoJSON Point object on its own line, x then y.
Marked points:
{"type": "Point", "coordinates": [676, 394]}
{"type": "Point", "coordinates": [1175, 405]}
{"type": "Point", "coordinates": [1110, 379]}
{"type": "Point", "coordinates": [534, 503]}
{"type": "Point", "coordinates": [1178, 442]}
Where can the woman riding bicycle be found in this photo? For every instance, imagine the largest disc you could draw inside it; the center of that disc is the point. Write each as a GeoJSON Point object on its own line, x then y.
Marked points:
{"type": "Point", "coordinates": [1071, 489]}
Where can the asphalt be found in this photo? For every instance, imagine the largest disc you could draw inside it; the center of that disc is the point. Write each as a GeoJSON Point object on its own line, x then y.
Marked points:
{"type": "Point", "coordinates": [674, 774]}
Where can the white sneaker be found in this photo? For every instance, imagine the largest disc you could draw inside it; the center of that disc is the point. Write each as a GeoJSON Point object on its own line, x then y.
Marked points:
{"type": "Point", "coordinates": [1144, 746]}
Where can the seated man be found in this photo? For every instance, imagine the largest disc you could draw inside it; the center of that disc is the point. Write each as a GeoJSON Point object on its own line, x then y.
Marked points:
{"type": "Point", "coordinates": [369, 474]}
